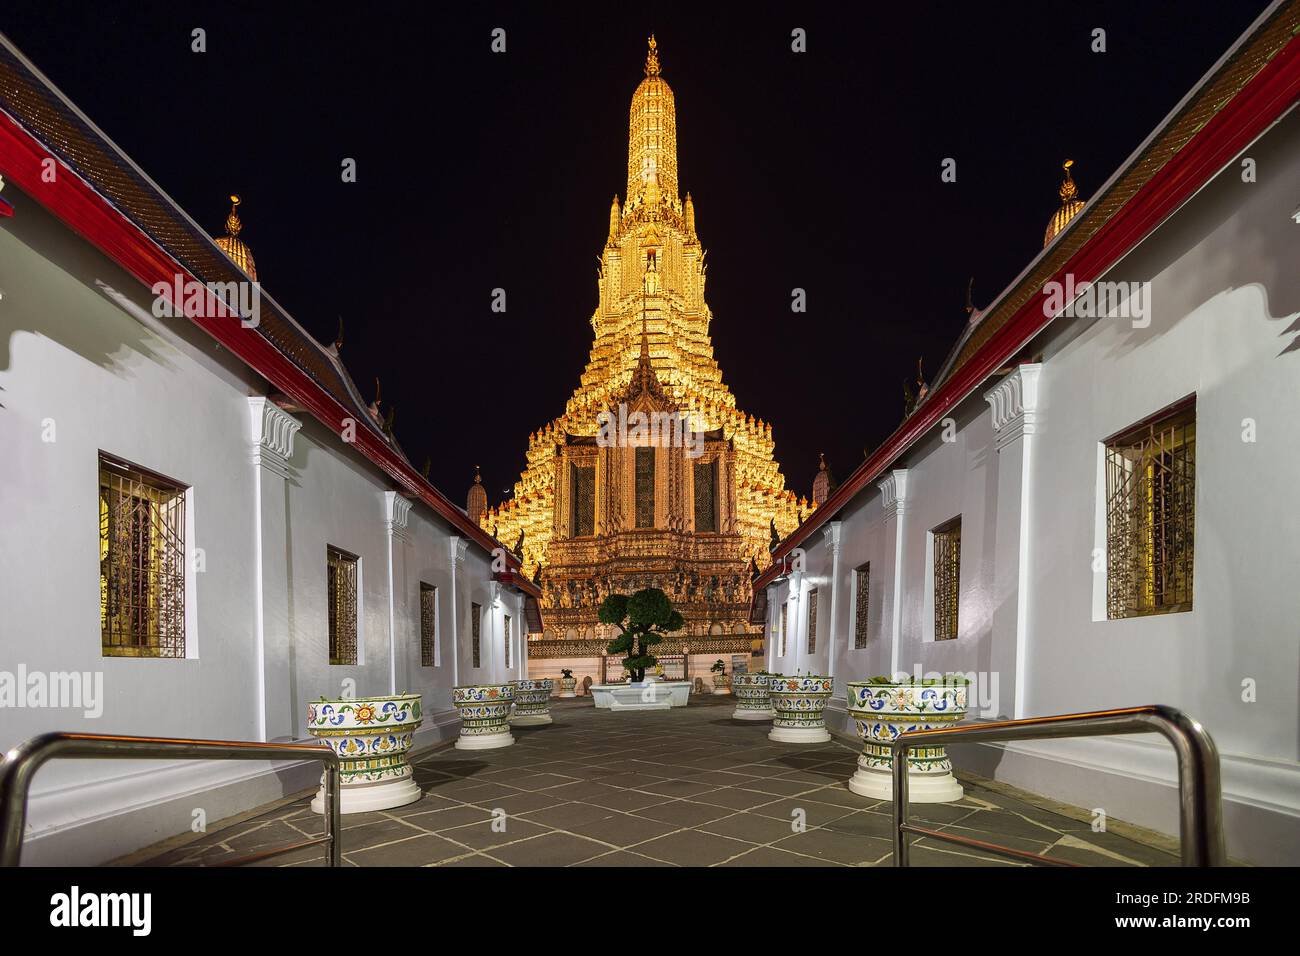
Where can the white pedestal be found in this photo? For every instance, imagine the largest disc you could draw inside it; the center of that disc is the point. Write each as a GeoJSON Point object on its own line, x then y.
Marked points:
{"type": "Point", "coordinates": [743, 714]}
{"type": "Point", "coordinates": [921, 787]}
{"type": "Point", "coordinates": [530, 720]}
{"type": "Point", "coordinates": [799, 735]}
{"type": "Point", "coordinates": [381, 795]}
{"type": "Point", "coordinates": [484, 741]}
{"type": "Point", "coordinates": [566, 693]}
{"type": "Point", "coordinates": [724, 689]}
{"type": "Point", "coordinates": [648, 695]}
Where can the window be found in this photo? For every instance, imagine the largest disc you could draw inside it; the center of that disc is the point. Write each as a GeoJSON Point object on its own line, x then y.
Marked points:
{"type": "Point", "coordinates": [784, 607]}
{"type": "Point", "coordinates": [947, 578]}
{"type": "Point", "coordinates": [505, 627]}
{"type": "Point", "coordinates": [583, 491]}
{"type": "Point", "coordinates": [475, 631]}
{"type": "Point", "coordinates": [342, 587]}
{"type": "Point", "coordinates": [812, 621]}
{"type": "Point", "coordinates": [141, 562]}
{"type": "Point", "coordinates": [706, 495]}
{"type": "Point", "coordinates": [428, 625]}
{"type": "Point", "coordinates": [1150, 515]}
{"type": "Point", "coordinates": [861, 605]}
{"type": "Point", "coordinates": [645, 487]}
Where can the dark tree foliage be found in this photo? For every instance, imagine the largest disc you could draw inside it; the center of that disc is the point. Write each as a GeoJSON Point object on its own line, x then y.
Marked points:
{"type": "Point", "coordinates": [642, 620]}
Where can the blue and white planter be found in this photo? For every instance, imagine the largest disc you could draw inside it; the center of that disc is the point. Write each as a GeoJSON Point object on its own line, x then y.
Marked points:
{"type": "Point", "coordinates": [532, 702]}
{"type": "Point", "coordinates": [883, 711]}
{"type": "Point", "coordinates": [372, 736]}
{"type": "Point", "coordinates": [800, 706]}
{"type": "Point", "coordinates": [752, 700]}
{"type": "Point", "coordinates": [484, 715]}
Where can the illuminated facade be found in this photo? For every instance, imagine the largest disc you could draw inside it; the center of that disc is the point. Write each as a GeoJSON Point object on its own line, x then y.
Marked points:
{"type": "Point", "coordinates": [597, 517]}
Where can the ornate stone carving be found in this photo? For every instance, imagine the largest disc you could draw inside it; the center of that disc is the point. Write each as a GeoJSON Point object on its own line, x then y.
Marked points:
{"type": "Point", "coordinates": [1014, 404]}
{"type": "Point", "coordinates": [272, 431]}
{"type": "Point", "coordinates": [893, 493]}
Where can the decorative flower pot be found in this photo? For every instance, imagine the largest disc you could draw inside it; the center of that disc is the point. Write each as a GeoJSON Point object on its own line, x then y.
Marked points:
{"type": "Point", "coordinates": [372, 736]}
{"type": "Point", "coordinates": [752, 701]}
{"type": "Point", "coordinates": [799, 704]}
{"type": "Point", "coordinates": [532, 702]}
{"type": "Point", "coordinates": [882, 712]}
{"type": "Point", "coordinates": [484, 715]}
{"type": "Point", "coordinates": [568, 687]}
{"type": "Point", "coordinates": [721, 684]}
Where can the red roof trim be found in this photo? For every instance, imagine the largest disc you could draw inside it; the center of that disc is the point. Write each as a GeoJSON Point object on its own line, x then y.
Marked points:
{"type": "Point", "coordinates": [1259, 103]}
{"type": "Point", "coordinates": [89, 215]}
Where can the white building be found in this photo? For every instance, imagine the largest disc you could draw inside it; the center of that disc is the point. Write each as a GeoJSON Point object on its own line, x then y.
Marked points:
{"type": "Point", "coordinates": [1096, 512]}
{"type": "Point", "coordinates": [204, 526]}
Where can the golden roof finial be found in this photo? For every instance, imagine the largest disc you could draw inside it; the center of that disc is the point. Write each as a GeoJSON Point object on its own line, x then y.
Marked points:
{"type": "Point", "coordinates": [1068, 190]}
{"type": "Point", "coordinates": [233, 225]}
{"type": "Point", "coordinates": [1070, 205]}
{"type": "Point", "coordinates": [652, 58]}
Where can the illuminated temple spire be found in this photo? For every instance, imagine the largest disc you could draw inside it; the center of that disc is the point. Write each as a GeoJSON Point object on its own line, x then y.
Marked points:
{"type": "Point", "coordinates": [1070, 206]}
{"type": "Point", "coordinates": [476, 500]}
{"type": "Point", "coordinates": [235, 247]}
{"type": "Point", "coordinates": [652, 137]}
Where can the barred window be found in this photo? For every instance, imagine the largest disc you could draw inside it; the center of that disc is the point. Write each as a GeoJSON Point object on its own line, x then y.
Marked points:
{"type": "Point", "coordinates": [505, 627]}
{"type": "Point", "coordinates": [1150, 515]}
{"type": "Point", "coordinates": [812, 621]}
{"type": "Point", "coordinates": [582, 486]}
{"type": "Point", "coordinates": [706, 495]}
{"type": "Point", "coordinates": [947, 578]}
{"type": "Point", "coordinates": [475, 631]}
{"type": "Point", "coordinates": [141, 562]}
{"type": "Point", "coordinates": [342, 588]}
{"type": "Point", "coordinates": [861, 605]}
{"type": "Point", "coordinates": [784, 608]}
{"type": "Point", "coordinates": [645, 487]}
{"type": "Point", "coordinates": [428, 625]}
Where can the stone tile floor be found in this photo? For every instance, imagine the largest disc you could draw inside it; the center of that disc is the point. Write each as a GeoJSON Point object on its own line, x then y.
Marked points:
{"type": "Point", "coordinates": [686, 787]}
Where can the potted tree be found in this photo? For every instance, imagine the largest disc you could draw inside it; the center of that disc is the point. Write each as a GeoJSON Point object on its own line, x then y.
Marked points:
{"type": "Point", "coordinates": [568, 683]}
{"type": "Point", "coordinates": [719, 672]}
{"type": "Point", "coordinates": [642, 620]}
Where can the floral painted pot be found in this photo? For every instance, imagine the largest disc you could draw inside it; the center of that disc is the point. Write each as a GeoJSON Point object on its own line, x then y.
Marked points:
{"type": "Point", "coordinates": [532, 702]}
{"type": "Point", "coordinates": [484, 715]}
{"type": "Point", "coordinates": [752, 701]}
{"type": "Point", "coordinates": [799, 704]}
{"type": "Point", "coordinates": [721, 684]}
{"type": "Point", "coordinates": [372, 736]}
{"type": "Point", "coordinates": [568, 687]}
{"type": "Point", "coordinates": [882, 712]}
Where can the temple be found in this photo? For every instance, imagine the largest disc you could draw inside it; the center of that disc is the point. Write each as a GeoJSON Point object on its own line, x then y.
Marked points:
{"type": "Point", "coordinates": [688, 507]}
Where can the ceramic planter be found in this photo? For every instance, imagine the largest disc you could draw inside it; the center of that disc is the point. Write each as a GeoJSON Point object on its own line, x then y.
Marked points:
{"type": "Point", "coordinates": [721, 684]}
{"type": "Point", "coordinates": [799, 704]}
{"type": "Point", "coordinates": [372, 736]}
{"type": "Point", "coordinates": [646, 695]}
{"type": "Point", "coordinates": [882, 712]}
{"type": "Point", "coordinates": [484, 715]}
{"type": "Point", "coordinates": [568, 687]}
{"type": "Point", "coordinates": [752, 701]}
{"type": "Point", "coordinates": [532, 702]}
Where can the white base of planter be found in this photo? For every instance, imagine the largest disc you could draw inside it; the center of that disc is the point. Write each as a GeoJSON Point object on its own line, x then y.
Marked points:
{"type": "Point", "coordinates": [530, 720]}
{"type": "Point", "coordinates": [485, 741]}
{"type": "Point", "coordinates": [381, 795]}
{"type": "Point", "coordinates": [742, 714]}
{"type": "Point", "coordinates": [722, 690]}
{"type": "Point", "coordinates": [567, 693]}
{"type": "Point", "coordinates": [921, 787]}
{"type": "Point", "coordinates": [799, 735]}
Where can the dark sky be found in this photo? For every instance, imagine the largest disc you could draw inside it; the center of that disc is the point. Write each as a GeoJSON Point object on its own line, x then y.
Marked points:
{"type": "Point", "coordinates": [477, 170]}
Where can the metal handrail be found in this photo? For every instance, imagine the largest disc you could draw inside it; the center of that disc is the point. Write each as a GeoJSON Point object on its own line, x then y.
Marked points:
{"type": "Point", "coordinates": [1200, 808]}
{"type": "Point", "coordinates": [21, 763]}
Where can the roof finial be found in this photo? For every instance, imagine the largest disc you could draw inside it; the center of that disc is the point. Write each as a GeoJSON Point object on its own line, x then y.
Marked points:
{"type": "Point", "coordinates": [1068, 190]}
{"type": "Point", "coordinates": [970, 289]}
{"type": "Point", "coordinates": [652, 58]}
{"type": "Point", "coordinates": [233, 224]}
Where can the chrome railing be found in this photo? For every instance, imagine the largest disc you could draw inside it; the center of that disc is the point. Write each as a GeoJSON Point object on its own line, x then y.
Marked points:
{"type": "Point", "coordinates": [1200, 809]}
{"type": "Point", "coordinates": [21, 763]}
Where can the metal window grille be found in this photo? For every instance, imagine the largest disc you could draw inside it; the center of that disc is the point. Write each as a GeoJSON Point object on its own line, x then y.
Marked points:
{"type": "Point", "coordinates": [505, 627]}
{"type": "Point", "coordinates": [947, 578]}
{"type": "Point", "coordinates": [784, 608]}
{"type": "Point", "coordinates": [141, 562]}
{"type": "Point", "coordinates": [475, 631]}
{"type": "Point", "coordinates": [706, 496]}
{"type": "Point", "coordinates": [1150, 517]}
{"type": "Point", "coordinates": [341, 577]}
{"type": "Point", "coordinates": [812, 621]}
{"type": "Point", "coordinates": [861, 605]}
{"type": "Point", "coordinates": [645, 487]}
{"type": "Point", "coordinates": [428, 625]}
{"type": "Point", "coordinates": [584, 500]}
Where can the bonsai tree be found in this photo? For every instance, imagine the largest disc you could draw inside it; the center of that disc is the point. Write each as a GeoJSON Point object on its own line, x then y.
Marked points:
{"type": "Point", "coordinates": [718, 667]}
{"type": "Point", "coordinates": [642, 620]}
{"type": "Point", "coordinates": [566, 673]}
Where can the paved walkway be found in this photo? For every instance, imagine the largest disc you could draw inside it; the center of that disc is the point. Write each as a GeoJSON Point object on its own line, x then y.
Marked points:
{"type": "Point", "coordinates": [687, 787]}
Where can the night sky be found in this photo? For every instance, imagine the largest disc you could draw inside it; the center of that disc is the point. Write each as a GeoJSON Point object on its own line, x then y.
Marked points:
{"type": "Point", "coordinates": [477, 170]}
